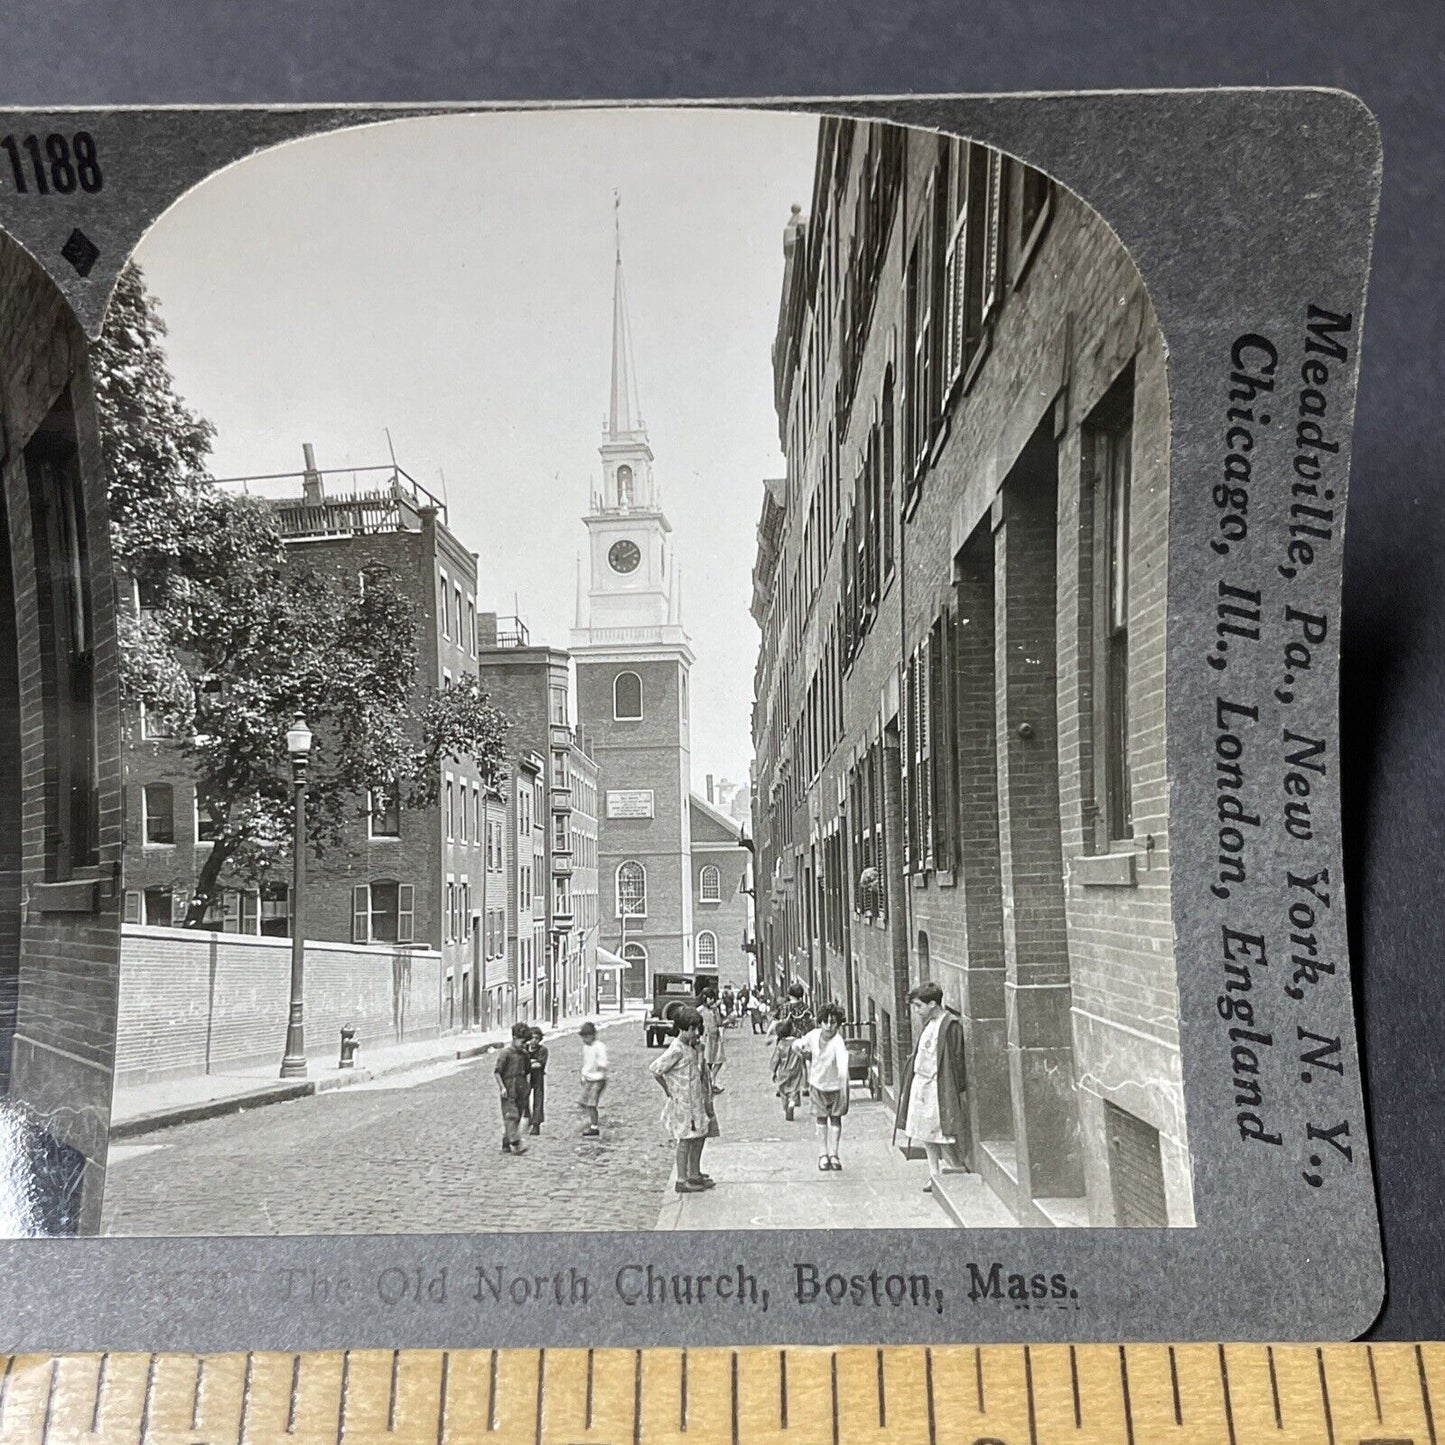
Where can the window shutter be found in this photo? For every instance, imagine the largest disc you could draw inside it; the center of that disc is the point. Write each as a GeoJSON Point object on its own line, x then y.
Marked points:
{"type": "Point", "coordinates": [133, 906]}
{"type": "Point", "coordinates": [405, 913]}
{"type": "Point", "coordinates": [361, 913]}
{"type": "Point", "coordinates": [925, 754]}
{"type": "Point", "coordinates": [993, 229]}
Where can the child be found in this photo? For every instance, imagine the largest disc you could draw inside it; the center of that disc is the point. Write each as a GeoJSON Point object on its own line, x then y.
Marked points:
{"type": "Point", "coordinates": [594, 1078]}
{"type": "Point", "coordinates": [789, 1067]}
{"type": "Point", "coordinates": [682, 1073]}
{"type": "Point", "coordinates": [537, 1069]}
{"type": "Point", "coordinates": [513, 1073]}
{"type": "Point", "coordinates": [827, 1054]}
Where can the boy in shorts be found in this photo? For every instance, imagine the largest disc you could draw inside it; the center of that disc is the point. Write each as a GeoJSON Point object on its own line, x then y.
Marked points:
{"type": "Point", "coordinates": [594, 1078]}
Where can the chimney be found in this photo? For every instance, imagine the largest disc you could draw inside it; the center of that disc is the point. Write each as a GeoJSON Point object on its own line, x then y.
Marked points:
{"type": "Point", "coordinates": [709, 789]}
{"type": "Point", "coordinates": [486, 629]}
{"type": "Point", "coordinates": [311, 483]}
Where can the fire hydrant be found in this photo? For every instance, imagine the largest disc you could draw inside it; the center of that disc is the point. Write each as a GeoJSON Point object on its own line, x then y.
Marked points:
{"type": "Point", "coordinates": [349, 1046]}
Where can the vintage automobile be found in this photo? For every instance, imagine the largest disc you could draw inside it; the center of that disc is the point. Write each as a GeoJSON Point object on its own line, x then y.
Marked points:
{"type": "Point", "coordinates": [671, 991]}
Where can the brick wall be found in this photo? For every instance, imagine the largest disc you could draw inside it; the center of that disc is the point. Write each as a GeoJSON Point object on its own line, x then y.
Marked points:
{"type": "Point", "coordinates": [198, 1003]}
{"type": "Point", "coordinates": [1061, 962]}
{"type": "Point", "coordinates": [57, 969]}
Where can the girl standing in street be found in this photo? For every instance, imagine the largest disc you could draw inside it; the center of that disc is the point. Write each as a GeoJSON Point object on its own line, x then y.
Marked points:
{"type": "Point", "coordinates": [790, 1069]}
{"type": "Point", "coordinates": [537, 1069]}
{"type": "Point", "coordinates": [712, 1038]}
{"type": "Point", "coordinates": [682, 1074]}
{"type": "Point", "coordinates": [827, 1054]}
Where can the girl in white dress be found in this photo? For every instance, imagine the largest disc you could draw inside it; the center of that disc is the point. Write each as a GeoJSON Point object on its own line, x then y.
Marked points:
{"type": "Point", "coordinates": [923, 1123]}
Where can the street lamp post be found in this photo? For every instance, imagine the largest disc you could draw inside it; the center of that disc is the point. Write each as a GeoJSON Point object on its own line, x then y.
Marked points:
{"type": "Point", "coordinates": [298, 745]}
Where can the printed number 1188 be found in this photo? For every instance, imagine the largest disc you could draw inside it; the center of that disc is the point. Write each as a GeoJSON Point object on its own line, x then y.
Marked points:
{"type": "Point", "coordinates": [54, 163]}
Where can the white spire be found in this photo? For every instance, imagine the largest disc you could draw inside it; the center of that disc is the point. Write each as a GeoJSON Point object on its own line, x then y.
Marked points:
{"type": "Point", "coordinates": [624, 417]}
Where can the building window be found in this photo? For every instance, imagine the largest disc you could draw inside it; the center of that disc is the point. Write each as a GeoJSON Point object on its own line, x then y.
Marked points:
{"type": "Point", "coordinates": [627, 697]}
{"type": "Point", "coordinates": [159, 903]}
{"type": "Point", "coordinates": [624, 486]}
{"type": "Point", "coordinates": [561, 896]}
{"type": "Point", "coordinates": [444, 603]}
{"type": "Point", "coordinates": [709, 887]}
{"type": "Point", "coordinates": [210, 814]}
{"type": "Point", "coordinates": [1108, 439]}
{"type": "Point", "coordinates": [62, 576]}
{"type": "Point", "coordinates": [160, 813]}
{"type": "Point", "coordinates": [559, 770]}
{"type": "Point", "coordinates": [383, 913]}
{"type": "Point", "coordinates": [275, 910]}
{"type": "Point", "coordinates": [383, 813]}
{"type": "Point", "coordinates": [561, 834]}
{"type": "Point", "coordinates": [634, 955]}
{"type": "Point", "coordinates": [451, 811]}
{"type": "Point", "coordinates": [1035, 194]}
{"type": "Point", "coordinates": [472, 626]}
{"type": "Point", "coordinates": [631, 890]}
{"type": "Point", "coordinates": [457, 613]}
{"type": "Point", "coordinates": [707, 949]}
{"type": "Point", "coordinates": [559, 706]}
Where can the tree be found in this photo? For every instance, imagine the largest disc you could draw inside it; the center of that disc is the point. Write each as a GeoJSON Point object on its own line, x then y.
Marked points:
{"type": "Point", "coordinates": [240, 636]}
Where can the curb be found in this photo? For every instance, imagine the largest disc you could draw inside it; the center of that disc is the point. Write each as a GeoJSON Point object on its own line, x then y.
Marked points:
{"type": "Point", "coordinates": [280, 1093]}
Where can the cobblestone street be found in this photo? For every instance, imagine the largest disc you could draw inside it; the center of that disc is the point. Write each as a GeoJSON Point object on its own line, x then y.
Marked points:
{"type": "Point", "coordinates": [419, 1153]}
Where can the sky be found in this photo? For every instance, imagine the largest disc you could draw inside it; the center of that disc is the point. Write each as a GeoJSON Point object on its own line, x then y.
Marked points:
{"type": "Point", "coordinates": [450, 280]}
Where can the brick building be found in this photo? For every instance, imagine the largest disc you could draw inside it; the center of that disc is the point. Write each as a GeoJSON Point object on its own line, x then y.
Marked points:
{"type": "Point", "coordinates": [633, 658]}
{"type": "Point", "coordinates": [407, 877]}
{"type": "Point", "coordinates": [721, 903]}
{"type": "Point", "coordinates": [959, 698]}
{"type": "Point", "coordinates": [552, 892]}
{"type": "Point", "coordinates": [60, 769]}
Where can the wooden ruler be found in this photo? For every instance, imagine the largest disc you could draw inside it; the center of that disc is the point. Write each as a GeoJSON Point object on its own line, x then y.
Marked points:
{"type": "Point", "coordinates": [990, 1395]}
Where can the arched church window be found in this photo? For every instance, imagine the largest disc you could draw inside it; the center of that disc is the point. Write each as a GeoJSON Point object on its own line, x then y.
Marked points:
{"type": "Point", "coordinates": [624, 486]}
{"type": "Point", "coordinates": [707, 949]}
{"type": "Point", "coordinates": [709, 888]}
{"type": "Point", "coordinates": [627, 697]}
{"type": "Point", "coordinates": [631, 890]}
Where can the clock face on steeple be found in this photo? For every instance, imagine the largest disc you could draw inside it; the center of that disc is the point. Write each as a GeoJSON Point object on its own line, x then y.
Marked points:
{"type": "Point", "coordinates": [624, 556]}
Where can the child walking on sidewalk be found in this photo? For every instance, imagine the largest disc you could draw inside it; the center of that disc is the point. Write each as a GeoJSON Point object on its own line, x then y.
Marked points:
{"type": "Point", "coordinates": [827, 1053]}
{"type": "Point", "coordinates": [790, 1068]}
{"type": "Point", "coordinates": [594, 1078]}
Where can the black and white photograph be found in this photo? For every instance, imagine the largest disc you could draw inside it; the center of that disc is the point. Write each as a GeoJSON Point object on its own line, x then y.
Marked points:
{"type": "Point", "coordinates": [641, 681]}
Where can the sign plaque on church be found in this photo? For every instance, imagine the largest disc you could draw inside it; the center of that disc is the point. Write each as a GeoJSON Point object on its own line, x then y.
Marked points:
{"type": "Point", "coordinates": [629, 803]}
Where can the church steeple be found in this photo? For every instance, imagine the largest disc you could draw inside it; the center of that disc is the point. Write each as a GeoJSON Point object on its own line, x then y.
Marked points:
{"type": "Point", "coordinates": [627, 481]}
{"type": "Point", "coordinates": [624, 417]}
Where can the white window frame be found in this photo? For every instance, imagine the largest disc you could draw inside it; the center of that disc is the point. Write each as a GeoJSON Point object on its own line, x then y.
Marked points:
{"type": "Point", "coordinates": [628, 717]}
{"type": "Point", "coordinates": [710, 873]}
{"type": "Point", "coordinates": [617, 888]}
{"type": "Point", "coordinates": [372, 796]}
{"type": "Point", "coordinates": [708, 934]}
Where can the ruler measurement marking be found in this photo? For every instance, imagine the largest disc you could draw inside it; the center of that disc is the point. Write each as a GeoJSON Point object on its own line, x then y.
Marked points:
{"type": "Point", "coordinates": [1174, 1385]}
{"type": "Point", "coordinates": [734, 1392]}
{"type": "Point", "coordinates": [1228, 1402]}
{"type": "Point", "coordinates": [391, 1399]}
{"type": "Point", "coordinates": [99, 1391]}
{"type": "Point", "coordinates": [588, 1416]}
{"type": "Point", "coordinates": [1128, 1403]}
{"type": "Point", "coordinates": [49, 1400]}
{"type": "Point", "coordinates": [1074, 1376]}
{"type": "Point", "coordinates": [1374, 1383]}
{"type": "Point", "coordinates": [145, 1408]}
{"type": "Point", "coordinates": [1029, 1390]}
{"type": "Point", "coordinates": [1325, 1397]}
{"type": "Point", "coordinates": [833, 1391]}
{"type": "Point", "coordinates": [1425, 1394]}
{"type": "Point", "coordinates": [1274, 1387]}
{"type": "Point", "coordinates": [636, 1396]}
{"type": "Point", "coordinates": [245, 1397]}
{"type": "Point", "coordinates": [682, 1396]}
{"type": "Point", "coordinates": [541, 1390]}
{"type": "Point", "coordinates": [345, 1390]}
{"type": "Point", "coordinates": [928, 1383]}
{"type": "Point", "coordinates": [978, 1375]}
{"type": "Point", "coordinates": [196, 1392]}
{"type": "Point", "coordinates": [442, 1399]}
{"type": "Point", "coordinates": [291, 1399]}
{"type": "Point", "coordinates": [882, 1396]}
{"type": "Point", "coordinates": [492, 1393]}
{"type": "Point", "coordinates": [783, 1388]}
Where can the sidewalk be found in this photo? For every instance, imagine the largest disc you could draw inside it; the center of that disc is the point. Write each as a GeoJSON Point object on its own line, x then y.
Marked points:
{"type": "Point", "coordinates": [143, 1107]}
{"type": "Point", "coordinates": [768, 1178]}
